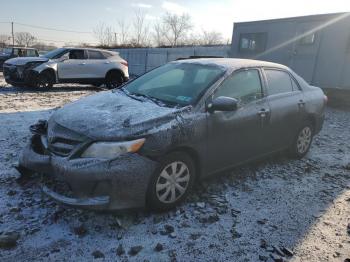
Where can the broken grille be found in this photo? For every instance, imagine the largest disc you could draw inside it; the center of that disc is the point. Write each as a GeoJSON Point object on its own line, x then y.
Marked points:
{"type": "Point", "coordinates": [62, 141]}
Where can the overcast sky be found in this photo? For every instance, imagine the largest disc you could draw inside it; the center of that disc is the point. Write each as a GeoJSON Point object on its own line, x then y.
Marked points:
{"type": "Point", "coordinates": [84, 15]}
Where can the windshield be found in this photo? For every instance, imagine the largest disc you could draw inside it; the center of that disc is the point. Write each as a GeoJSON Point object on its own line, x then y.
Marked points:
{"type": "Point", "coordinates": [7, 51]}
{"type": "Point", "coordinates": [176, 83]}
{"type": "Point", "coordinates": [57, 53]}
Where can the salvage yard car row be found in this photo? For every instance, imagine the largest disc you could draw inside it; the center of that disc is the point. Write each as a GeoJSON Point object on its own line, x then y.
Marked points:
{"type": "Point", "coordinates": [148, 142]}
{"type": "Point", "coordinates": [67, 65]}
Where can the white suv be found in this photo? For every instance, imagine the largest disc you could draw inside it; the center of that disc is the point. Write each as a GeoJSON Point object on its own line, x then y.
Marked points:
{"type": "Point", "coordinates": [68, 65]}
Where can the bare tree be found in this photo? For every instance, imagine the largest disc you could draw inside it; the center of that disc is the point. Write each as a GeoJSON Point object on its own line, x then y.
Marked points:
{"type": "Point", "coordinates": [211, 38]}
{"type": "Point", "coordinates": [44, 46]}
{"type": "Point", "coordinates": [140, 29]}
{"type": "Point", "coordinates": [24, 39]}
{"type": "Point", "coordinates": [104, 34]}
{"type": "Point", "coordinates": [194, 38]}
{"type": "Point", "coordinates": [158, 34]}
{"type": "Point", "coordinates": [123, 32]}
{"type": "Point", "coordinates": [177, 27]}
{"type": "Point", "coordinates": [4, 40]}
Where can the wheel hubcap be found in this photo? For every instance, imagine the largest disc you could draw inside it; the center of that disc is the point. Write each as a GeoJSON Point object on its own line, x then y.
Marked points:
{"type": "Point", "coordinates": [172, 182]}
{"type": "Point", "coordinates": [304, 140]}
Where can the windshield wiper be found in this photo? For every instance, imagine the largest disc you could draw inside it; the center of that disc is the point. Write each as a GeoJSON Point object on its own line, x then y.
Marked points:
{"type": "Point", "coordinates": [153, 99]}
{"type": "Point", "coordinates": [127, 93]}
{"type": "Point", "coordinates": [137, 96]}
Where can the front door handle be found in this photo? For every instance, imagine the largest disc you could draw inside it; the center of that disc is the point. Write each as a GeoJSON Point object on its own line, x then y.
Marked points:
{"type": "Point", "coordinates": [301, 102]}
{"type": "Point", "coordinates": [82, 64]}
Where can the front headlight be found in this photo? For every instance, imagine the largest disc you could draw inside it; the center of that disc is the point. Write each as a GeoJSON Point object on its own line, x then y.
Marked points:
{"type": "Point", "coordinates": [112, 149]}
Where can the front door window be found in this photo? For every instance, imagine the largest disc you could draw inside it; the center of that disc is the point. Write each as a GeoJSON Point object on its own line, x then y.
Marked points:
{"type": "Point", "coordinates": [245, 86]}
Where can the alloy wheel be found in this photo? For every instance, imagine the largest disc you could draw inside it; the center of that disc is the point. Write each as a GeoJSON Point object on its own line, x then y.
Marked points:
{"type": "Point", "coordinates": [172, 182]}
{"type": "Point", "coordinates": [304, 140]}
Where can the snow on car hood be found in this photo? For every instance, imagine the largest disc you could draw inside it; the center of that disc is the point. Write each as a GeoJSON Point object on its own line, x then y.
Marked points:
{"type": "Point", "coordinates": [112, 116]}
{"type": "Point", "coordinates": [23, 60]}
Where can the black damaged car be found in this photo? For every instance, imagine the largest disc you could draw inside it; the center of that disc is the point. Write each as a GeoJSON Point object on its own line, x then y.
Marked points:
{"type": "Point", "coordinates": [147, 143]}
{"type": "Point", "coordinates": [12, 52]}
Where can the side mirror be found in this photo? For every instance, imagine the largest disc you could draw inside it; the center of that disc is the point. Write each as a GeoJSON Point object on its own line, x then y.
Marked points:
{"type": "Point", "coordinates": [222, 103]}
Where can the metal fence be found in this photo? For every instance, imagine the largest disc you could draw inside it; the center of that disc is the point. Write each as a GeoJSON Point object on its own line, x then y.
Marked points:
{"type": "Point", "coordinates": [141, 60]}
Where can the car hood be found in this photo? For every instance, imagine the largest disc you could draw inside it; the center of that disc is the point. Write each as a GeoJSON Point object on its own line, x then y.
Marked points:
{"type": "Point", "coordinates": [112, 115]}
{"type": "Point", "coordinates": [24, 60]}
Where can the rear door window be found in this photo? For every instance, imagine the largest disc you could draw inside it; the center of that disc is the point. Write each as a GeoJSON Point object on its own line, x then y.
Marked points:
{"type": "Point", "coordinates": [31, 52]}
{"type": "Point", "coordinates": [245, 86]}
{"type": "Point", "coordinates": [95, 55]}
{"type": "Point", "coordinates": [279, 82]}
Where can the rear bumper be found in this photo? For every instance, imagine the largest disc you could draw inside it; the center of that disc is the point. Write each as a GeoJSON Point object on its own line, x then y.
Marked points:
{"type": "Point", "coordinates": [319, 123]}
{"type": "Point", "coordinates": [95, 183]}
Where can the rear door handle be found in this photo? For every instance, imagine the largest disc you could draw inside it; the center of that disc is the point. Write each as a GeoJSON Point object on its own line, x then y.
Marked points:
{"type": "Point", "coordinates": [82, 64]}
{"type": "Point", "coordinates": [301, 102]}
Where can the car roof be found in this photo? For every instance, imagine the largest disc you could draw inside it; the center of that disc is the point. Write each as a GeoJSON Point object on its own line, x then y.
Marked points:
{"type": "Point", "coordinates": [93, 49]}
{"type": "Point", "coordinates": [232, 63]}
{"type": "Point", "coordinates": [21, 47]}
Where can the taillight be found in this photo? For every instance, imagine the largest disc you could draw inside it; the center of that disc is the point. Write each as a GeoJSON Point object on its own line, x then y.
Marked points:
{"type": "Point", "coordinates": [325, 98]}
{"type": "Point", "coordinates": [124, 63]}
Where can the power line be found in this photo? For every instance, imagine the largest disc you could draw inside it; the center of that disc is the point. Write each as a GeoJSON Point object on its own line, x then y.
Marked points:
{"type": "Point", "coordinates": [52, 29]}
{"type": "Point", "coordinates": [67, 41]}
{"type": "Point", "coordinates": [48, 28]}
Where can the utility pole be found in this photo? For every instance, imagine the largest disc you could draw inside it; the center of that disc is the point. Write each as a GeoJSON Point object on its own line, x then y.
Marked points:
{"type": "Point", "coordinates": [115, 38]}
{"type": "Point", "coordinates": [13, 36]}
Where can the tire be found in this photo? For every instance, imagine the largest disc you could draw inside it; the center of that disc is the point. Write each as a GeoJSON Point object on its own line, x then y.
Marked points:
{"type": "Point", "coordinates": [45, 80]}
{"type": "Point", "coordinates": [114, 79]}
{"type": "Point", "coordinates": [161, 197]}
{"type": "Point", "coordinates": [302, 141]}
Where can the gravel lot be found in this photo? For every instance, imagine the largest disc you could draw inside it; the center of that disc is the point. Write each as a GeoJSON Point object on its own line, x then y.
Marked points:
{"type": "Point", "coordinates": [273, 207]}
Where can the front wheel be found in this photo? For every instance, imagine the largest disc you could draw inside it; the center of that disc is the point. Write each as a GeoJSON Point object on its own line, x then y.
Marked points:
{"type": "Point", "coordinates": [171, 182]}
{"type": "Point", "coordinates": [45, 80]}
{"type": "Point", "coordinates": [302, 141]}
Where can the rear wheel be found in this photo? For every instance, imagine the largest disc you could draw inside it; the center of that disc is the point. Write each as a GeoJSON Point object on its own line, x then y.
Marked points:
{"type": "Point", "coordinates": [302, 141]}
{"type": "Point", "coordinates": [45, 80]}
{"type": "Point", "coordinates": [114, 79]}
{"type": "Point", "coordinates": [171, 182]}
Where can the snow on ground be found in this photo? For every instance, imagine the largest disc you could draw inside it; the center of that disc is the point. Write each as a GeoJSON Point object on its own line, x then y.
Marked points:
{"type": "Point", "coordinates": [246, 214]}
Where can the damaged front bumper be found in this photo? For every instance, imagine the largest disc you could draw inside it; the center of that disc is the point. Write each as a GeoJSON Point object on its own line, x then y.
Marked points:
{"type": "Point", "coordinates": [94, 183]}
{"type": "Point", "coordinates": [20, 75]}
{"type": "Point", "coordinates": [81, 202]}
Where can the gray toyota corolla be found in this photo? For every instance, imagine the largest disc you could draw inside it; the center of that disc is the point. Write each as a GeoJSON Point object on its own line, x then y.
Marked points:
{"type": "Point", "coordinates": [148, 142]}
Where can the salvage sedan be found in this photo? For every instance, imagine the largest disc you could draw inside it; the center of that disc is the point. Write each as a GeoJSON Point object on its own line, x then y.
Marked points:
{"type": "Point", "coordinates": [149, 142]}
